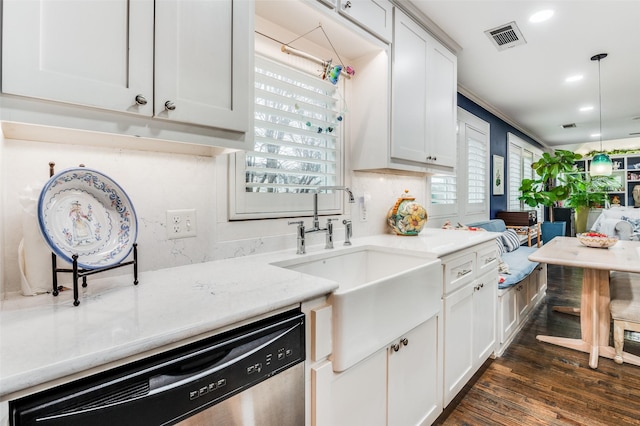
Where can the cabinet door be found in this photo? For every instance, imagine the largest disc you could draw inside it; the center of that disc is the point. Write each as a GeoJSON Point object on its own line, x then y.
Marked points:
{"type": "Point", "coordinates": [203, 62]}
{"type": "Point", "coordinates": [97, 53]}
{"type": "Point", "coordinates": [458, 338]}
{"type": "Point", "coordinates": [374, 15]}
{"type": "Point", "coordinates": [522, 298]}
{"type": "Point", "coordinates": [509, 319]}
{"type": "Point", "coordinates": [409, 90]}
{"type": "Point", "coordinates": [356, 396]}
{"type": "Point", "coordinates": [485, 300]}
{"type": "Point", "coordinates": [414, 376]}
{"type": "Point", "coordinates": [442, 105]}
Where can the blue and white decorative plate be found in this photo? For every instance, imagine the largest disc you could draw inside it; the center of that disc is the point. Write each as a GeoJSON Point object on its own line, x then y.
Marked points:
{"type": "Point", "coordinates": [81, 211]}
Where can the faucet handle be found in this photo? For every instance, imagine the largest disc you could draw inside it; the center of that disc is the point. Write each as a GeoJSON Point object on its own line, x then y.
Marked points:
{"type": "Point", "coordinates": [296, 222]}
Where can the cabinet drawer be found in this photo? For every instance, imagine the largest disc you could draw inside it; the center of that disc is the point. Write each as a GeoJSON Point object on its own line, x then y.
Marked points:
{"type": "Point", "coordinates": [459, 271]}
{"type": "Point", "coordinates": [487, 257]}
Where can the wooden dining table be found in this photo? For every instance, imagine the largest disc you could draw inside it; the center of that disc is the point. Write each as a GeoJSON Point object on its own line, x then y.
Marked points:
{"type": "Point", "coordinates": [595, 318]}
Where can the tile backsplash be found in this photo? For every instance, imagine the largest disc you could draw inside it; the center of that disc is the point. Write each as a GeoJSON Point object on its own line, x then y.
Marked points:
{"type": "Point", "coordinates": [157, 182]}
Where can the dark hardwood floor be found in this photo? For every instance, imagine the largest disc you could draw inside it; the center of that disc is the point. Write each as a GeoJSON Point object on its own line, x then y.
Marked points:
{"type": "Point", "coordinates": [536, 383]}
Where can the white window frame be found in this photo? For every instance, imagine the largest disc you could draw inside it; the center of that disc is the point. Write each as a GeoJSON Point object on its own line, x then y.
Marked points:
{"type": "Point", "coordinates": [521, 154]}
{"type": "Point", "coordinates": [461, 208]}
{"type": "Point", "coordinates": [255, 205]}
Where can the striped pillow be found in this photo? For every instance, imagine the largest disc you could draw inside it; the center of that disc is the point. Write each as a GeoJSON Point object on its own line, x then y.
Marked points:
{"type": "Point", "coordinates": [501, 247]}
{"type": "Point", "coordinates": [511, 240]}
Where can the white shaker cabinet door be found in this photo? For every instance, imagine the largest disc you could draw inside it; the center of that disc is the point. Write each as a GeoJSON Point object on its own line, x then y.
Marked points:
{"type": "Point", "coordinates": [442, 105]}
{"type": "Point", "coordinates": [409, 90]}
{"type": "Point", "coordinates": [203, 61]}
{"type": "Point", "coordinates": [415, 375]}
{"type": "Point", "coordinates": [94, 53]}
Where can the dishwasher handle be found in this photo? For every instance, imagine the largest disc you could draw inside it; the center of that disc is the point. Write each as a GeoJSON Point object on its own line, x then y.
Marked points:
{"type": "Point", "coordinates": [164, 382]}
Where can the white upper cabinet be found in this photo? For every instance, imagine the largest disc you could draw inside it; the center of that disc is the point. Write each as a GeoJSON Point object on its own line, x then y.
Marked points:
{"type": "Point", "coordinates": [375, 16]}
{"type": "Point", "coordinates": [101, 54]}
{"type": "Point", "coordinates": [424, 85]}
{"type": "Point", "coordinates": [97, 54]}
{"type": "Point", "coordinates": [201, 62]}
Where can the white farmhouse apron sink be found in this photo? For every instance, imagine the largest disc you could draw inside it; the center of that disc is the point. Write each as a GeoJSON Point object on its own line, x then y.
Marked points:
{"type": "Point", "coordinates": [382, 294]}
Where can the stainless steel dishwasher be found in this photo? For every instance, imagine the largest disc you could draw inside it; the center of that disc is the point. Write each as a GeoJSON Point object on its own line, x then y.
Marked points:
{"type": "Point", "coordinates": [253, 375]}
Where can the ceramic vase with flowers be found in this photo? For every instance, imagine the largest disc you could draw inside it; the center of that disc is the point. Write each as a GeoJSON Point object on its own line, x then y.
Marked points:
{"type": "Point", "coordinates": [406, 216]}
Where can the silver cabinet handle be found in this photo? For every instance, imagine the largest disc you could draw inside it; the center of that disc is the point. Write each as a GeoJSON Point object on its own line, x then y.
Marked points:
{"type": "Point", "coordinates": [489, 260]}
{"type": "Point", "coordinates": [464, 272]}
{"type": "Point", "coordinates": [169, 106]}
{"type": "Point", "coordinates": [141, 100]}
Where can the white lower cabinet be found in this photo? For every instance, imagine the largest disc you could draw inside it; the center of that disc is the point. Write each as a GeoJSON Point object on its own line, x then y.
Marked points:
{"type": "Point", "coordinates": [397, 386]}
{"type": "Point", "coordinates": [470, 317]}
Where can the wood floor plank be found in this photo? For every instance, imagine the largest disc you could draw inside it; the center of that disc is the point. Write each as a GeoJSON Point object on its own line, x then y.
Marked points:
{"type": "Point", "coordinates": [536, 383]}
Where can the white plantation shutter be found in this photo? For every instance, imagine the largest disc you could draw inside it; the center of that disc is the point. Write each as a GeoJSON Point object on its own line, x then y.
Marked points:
{"type": "Point", "coordinates": [444, 190]}
{"type": "Point", "coordinates": [298, 144]}
{"type": "Point", "coordinates": [296, 127]}
{"type": "Point", "coordinates": [521, 156]}
{"type": "Point", "coordinates": [466, 193]}
{"type": "Point", "coordinates": [515, 176]}
{"type": "Point", "coordinates": [478, 184]}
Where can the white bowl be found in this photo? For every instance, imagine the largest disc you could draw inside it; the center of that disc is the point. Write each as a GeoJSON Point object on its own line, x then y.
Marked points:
{"type": "Point", "coordinates": [597, 242]}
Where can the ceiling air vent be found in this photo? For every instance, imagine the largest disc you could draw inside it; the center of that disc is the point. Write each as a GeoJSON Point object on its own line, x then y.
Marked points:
{"type": "Point", "coordinates": [506, 36]}
{"type": "Point", "coordinates": [569, 126]}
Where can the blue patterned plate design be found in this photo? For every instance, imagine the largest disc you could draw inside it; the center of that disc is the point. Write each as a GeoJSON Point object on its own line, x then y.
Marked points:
{"type": "Point", "coordinates": [81, 211]}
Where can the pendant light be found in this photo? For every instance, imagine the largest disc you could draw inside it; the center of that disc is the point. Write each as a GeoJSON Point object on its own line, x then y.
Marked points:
{"type": "Point", "coordinates": [601, 164]}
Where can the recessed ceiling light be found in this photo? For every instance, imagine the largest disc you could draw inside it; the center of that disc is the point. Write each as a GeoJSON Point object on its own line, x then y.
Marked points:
{"type": "Point", "coordinates": [541, 16]}
{"type": "Point", "coordinates": [574, 78]}
{"type": "Point", "coordinates": [586, 108]}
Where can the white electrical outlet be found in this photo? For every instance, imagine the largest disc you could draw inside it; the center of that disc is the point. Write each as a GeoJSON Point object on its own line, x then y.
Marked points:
{"type": "Point", "coordinates": [181, 223]}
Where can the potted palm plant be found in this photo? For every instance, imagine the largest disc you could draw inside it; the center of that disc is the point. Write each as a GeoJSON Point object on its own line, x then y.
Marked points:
{"type": "Point", "coordinates": [555, 182]}
{"type": "Point", "coordinates": [590, 192]}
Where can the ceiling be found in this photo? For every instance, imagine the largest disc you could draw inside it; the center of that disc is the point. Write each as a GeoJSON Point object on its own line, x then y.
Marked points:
{"type": "Point", "coordinates": [526, 83]}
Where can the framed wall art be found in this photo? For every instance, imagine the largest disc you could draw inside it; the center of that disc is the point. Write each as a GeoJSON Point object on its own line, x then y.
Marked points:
{"type": "Point", "coordinates": [498, 175]}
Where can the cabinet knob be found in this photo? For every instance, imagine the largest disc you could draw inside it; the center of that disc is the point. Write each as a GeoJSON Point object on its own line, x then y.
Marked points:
{"type": "Point", "coordinates": [169, 106]}
{"type": "Point", "coordinates": [141, 100]}
{"type": "Point", "coordinates": [395, 347]}
{"type": "Point", "coordinates": [347, 5]}
{"type": "Point", "coordinates": [405, 342]}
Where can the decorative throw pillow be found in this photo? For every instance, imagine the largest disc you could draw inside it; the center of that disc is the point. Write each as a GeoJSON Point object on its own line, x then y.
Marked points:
{"type": "Point", "coordinates": [501, 247]}
{"type": "Point", "coordinates": [634, 222]}
{"type": "Point", "coordinates": [503, 268]}
{"type": "Point", "coordinates": [511, 240]}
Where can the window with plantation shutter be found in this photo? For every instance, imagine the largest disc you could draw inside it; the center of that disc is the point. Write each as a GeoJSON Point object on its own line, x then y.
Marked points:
{"type": "Point", "coordinates": [466, 193]}
{"type": "Point", "coordinates": [444, 190]}
{"type": "Point", "coordinates": [521, 156]}
{"type": "Point", "coordinates": [478, 184]}
{"type": "Point", "coordinates": [298, 145]}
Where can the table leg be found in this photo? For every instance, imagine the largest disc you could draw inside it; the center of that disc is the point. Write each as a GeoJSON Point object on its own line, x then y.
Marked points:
{"type": "Point", "coordinates": [594, 318]}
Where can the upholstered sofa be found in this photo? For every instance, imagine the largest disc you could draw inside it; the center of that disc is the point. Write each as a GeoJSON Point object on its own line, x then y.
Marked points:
{"type": "Point", "coordinates": [519, 290]}
{"type": "Point", "coordinates": [623, 222]}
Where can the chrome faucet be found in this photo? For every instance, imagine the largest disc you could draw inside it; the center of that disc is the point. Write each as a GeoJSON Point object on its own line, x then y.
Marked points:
{"type": "Point", "coordinates": [316, 220]}
{"type": "Point", "coordinates": [301, 231]}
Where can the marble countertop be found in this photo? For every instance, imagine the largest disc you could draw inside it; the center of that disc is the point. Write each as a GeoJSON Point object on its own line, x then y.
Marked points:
{"type": "Point", "coordinates": [45, 339]}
